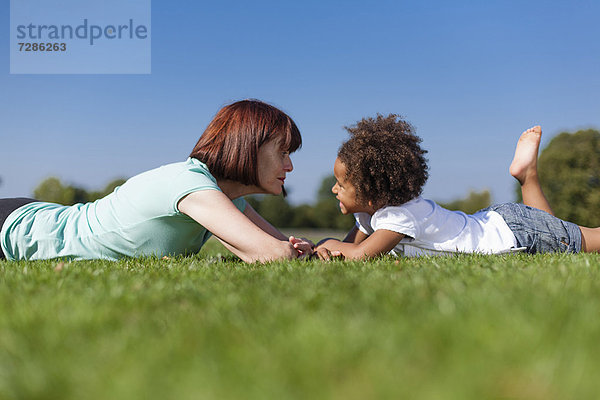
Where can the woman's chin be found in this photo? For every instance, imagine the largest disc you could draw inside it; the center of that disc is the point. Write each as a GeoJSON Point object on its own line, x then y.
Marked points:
{"type": "Point", "coordinates": [275, 191]}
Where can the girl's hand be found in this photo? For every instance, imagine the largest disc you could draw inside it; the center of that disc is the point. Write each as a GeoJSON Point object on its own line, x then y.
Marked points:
{"type": "Point", "coordinates": [325, 254]}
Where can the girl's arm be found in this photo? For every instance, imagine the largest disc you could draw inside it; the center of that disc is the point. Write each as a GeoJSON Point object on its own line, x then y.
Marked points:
{"type": "Point", "coordinates": [215, 211]}
{"type": "Point", "coordinates": [355, 236]}
{"type": "Point", "coordinates": [380, 242]}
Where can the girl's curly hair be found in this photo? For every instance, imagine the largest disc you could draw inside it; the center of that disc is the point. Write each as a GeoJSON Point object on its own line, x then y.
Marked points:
{"type": "Point", "coordinates": [384, 161]}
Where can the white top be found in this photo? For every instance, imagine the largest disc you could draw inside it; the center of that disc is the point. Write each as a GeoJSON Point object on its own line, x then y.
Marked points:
{"type": "Point", "coordinates": [433, 230]}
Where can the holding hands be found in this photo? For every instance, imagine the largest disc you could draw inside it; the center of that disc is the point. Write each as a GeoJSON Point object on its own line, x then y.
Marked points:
{"type": "Point", "coordinates": [325, 251]}
{"type": "Point", "coordinates": [307, 249]}
{"type": "Point", "coordinates": [303, 246]}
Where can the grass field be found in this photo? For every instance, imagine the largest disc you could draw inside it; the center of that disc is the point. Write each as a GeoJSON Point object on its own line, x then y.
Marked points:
{"type": "Point", "coordinates": [468, 327]}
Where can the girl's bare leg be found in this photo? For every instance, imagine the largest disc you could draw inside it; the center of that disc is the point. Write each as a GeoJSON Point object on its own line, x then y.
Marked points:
{"type": "Point", "coordinates": [590, 239]}
{"type": "Point", "coordinates": [524, 169]}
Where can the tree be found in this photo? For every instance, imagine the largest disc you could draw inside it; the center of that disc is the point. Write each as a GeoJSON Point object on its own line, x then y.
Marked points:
{"type": "Point", "coordinates": [276, 210]}
{"type": "Point", "coordinates": [474, 202]}
{"type": "Point", "coordinates": [93, 196]}
{"type": "Point", "coordinates": [327, 211]}
{"type": "Point", "coordinates": [304, 217]}
{"type": "Point", "coordinates": [52, 190]}
{"type": "Point", "coordinates": [569, 172]}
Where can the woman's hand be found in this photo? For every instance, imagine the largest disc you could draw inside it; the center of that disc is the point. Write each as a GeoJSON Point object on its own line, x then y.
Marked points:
{"type": "Point", "coordinates": [304, 246]}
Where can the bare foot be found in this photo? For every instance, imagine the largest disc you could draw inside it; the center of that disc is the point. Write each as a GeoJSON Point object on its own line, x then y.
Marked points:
{"type": "Point", "coordinates": [524, 163]}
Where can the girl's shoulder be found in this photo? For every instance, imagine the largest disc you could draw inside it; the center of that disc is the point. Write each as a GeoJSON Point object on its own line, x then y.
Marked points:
{"type": "Point", "coordinates": [418, 205]}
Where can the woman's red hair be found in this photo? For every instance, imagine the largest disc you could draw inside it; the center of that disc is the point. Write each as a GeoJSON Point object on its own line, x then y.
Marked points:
{"type": "Point", "coordinates": [229, 145]}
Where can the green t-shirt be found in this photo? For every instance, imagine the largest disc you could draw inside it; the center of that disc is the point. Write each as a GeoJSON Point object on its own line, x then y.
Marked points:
{"type": "Point", "coordinates": [139, 218]}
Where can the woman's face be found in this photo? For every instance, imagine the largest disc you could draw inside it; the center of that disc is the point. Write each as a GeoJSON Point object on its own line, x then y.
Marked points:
{"type": "Point", "coordinates": [273, 164]}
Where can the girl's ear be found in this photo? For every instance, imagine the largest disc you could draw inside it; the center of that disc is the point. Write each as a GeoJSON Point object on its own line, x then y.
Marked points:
{"type": "Point", "coordinates": [370, 204]}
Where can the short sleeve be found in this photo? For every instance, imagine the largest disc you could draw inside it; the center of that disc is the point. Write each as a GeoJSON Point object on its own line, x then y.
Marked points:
{"type": "Point", "coordinates": [363, 222]}
{"type": "Point", "coordinates": [194, 178]}
{"type": "Point", "coordinates": [240, 203]}
{"type": "Point", "coordinates": [396, 219]}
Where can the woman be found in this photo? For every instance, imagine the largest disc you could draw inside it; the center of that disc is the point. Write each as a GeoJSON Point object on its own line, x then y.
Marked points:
{"type": "Point", "coordinates": [174, 209]}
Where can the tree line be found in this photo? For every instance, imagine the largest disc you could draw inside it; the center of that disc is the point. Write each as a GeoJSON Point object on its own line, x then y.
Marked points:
{"type": "Point", "coordinates": [54, 191]}
{"type": "Point", "coordinates": [324, 213]}
{"type": "Point", "coordinates": [569, 170]}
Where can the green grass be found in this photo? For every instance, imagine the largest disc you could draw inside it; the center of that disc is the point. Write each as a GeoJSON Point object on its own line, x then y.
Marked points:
{"type": "Point", "coordinates": [468, 327]}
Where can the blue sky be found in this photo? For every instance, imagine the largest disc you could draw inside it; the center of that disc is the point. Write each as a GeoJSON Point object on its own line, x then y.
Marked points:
{"type": "Point", "coordinates": [470, 75]}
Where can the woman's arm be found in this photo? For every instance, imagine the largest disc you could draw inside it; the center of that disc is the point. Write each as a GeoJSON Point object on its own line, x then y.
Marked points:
{"type": "Point", "coordinates": [215, 211]}
{"type": "Point", "coordinates": [262, 223]}
{"type": "Point", "coordinates": [303, 245]}
{"type": "Point", "coordinates": [380, 242]}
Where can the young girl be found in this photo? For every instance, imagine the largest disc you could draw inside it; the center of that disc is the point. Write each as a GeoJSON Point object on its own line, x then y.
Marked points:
{"type": "Point", "coordinates": [380, 173]}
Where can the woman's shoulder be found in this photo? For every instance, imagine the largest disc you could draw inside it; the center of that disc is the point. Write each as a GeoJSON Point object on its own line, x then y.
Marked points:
{"type": "Point", "coordinates": [158, 189]}
{"type": "Point", "coordinates": [168, 172]}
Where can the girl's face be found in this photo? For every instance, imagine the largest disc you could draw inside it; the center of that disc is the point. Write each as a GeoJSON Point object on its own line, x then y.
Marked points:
{"type": "Point", "coordinates": [345, 192]}
{"type": "Point", "coordinates": [273, 164]}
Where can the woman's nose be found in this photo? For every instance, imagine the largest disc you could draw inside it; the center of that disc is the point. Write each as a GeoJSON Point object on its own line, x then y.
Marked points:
{"type": "Point", "coordinates": [288, 166]}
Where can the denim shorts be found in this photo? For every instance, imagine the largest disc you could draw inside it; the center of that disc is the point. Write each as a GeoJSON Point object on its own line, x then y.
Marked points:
{"type": "Point", "coordinates": [539, 231]}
